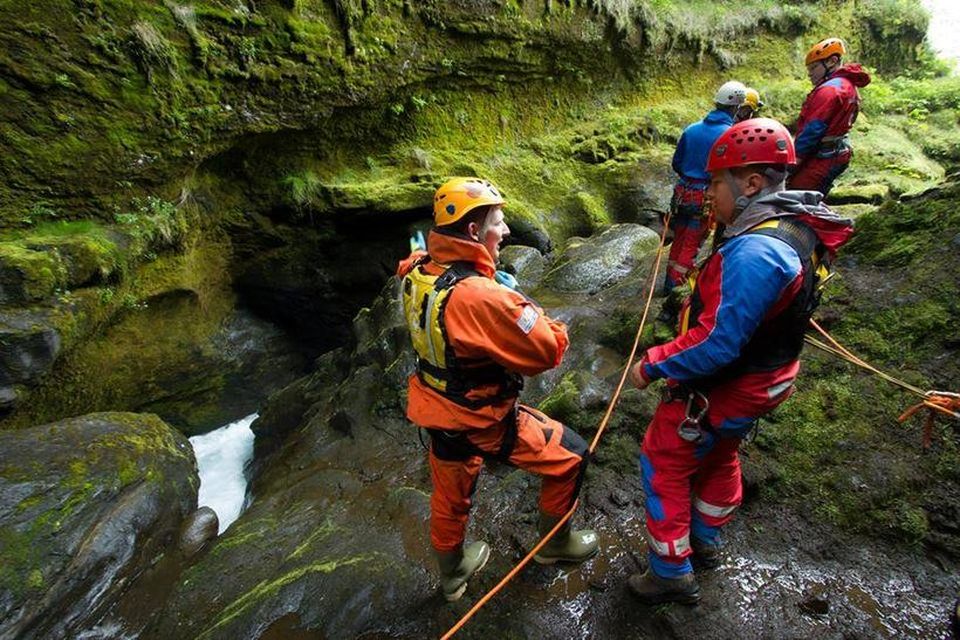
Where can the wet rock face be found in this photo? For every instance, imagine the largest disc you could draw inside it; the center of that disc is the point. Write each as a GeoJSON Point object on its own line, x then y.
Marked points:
{"type": "Point", "coordinates": [85, 504]}
{"type": "Point", "coordinates": [526, 263]}
{"type": "Point", "coordinates": [335, 543]}
{"type": "Point", "coordinates": [28, 349]}
{"type": "Point", "coordinates": [312, 281]}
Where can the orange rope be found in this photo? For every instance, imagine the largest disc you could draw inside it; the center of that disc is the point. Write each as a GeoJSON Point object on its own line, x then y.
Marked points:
{"type": "Point", "coordinates": [596, 439]}
{"type": "Point", "coordinates": [934, 401]}
{"type": "Point", "coordinates": [849, 356]}
{"type": "Point", "coordinates": [636, 338]}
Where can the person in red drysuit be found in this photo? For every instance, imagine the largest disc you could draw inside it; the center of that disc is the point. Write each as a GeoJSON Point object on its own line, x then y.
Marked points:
{"type": "Point", "coordinates": [822, 142]}
{"type": "Point", "coordinates": [735, 360]}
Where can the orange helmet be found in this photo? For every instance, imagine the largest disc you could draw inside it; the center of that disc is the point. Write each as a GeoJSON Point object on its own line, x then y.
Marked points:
{"type": "Point", "coordinates": [824, 49]}
{"type": "Point", "coordinates": [459, 196]}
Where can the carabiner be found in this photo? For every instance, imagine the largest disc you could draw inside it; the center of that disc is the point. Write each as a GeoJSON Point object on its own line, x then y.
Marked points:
{"type": "Point", "coordinates": [689, 429]}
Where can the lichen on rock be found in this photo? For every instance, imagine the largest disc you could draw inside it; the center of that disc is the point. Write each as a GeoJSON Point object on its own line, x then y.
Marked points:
{"type": "Point", "coordinates": [86, 504]}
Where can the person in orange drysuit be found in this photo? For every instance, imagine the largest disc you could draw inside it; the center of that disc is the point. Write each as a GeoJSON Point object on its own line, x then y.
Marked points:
{"type": "Point", "coordinates": [475, 338]}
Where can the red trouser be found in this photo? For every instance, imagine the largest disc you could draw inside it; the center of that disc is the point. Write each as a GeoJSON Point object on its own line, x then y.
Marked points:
{"type": "Point", "coordinates": [689, 229]}
{"type": "Point", "coordinates": [694, 483]}
{"type": "Point", "coordinates": [532, 442]}
{"type": "Point", "coordinates": [818, 174]}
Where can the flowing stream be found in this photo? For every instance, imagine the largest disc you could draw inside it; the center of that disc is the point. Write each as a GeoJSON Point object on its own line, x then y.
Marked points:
{"type": "Point", "coordinates": [221, 455]}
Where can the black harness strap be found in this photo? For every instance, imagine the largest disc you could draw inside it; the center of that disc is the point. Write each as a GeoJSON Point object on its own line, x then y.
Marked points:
{"type": "Point", "coordinates": [778, 340]}
{"type": "Point", "coordinates": [461, 375]}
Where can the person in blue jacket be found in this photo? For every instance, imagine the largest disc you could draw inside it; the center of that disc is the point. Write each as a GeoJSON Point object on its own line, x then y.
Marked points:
{"type": "Point", "coordinates": [689, 163]}
{"type": "Point", "coordinates": [737, 355]}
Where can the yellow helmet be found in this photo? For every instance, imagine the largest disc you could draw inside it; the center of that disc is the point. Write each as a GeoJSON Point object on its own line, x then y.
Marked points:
{"type": "Point", "coordinates": [824, 49]}
{"type": "Point", "coordinates": [753, 99]}
{"type": "Point", "coordinates": [459, 196]}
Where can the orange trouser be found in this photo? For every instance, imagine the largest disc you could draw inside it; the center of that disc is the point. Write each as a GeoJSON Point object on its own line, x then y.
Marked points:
{"type": "Point", "coordinates": [529, 440]}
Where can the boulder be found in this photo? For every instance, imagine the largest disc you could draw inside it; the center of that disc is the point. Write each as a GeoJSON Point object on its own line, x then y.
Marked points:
{"type": "Point", "coordinates": [526, 263]}
{"type": "Point", "coordinates": [199, 528]}
{"type": "Point", "coordinates": [85, 505]}
{"type": "Point", "coordinates": [29, 345]}
{"type": "Point", "coordinates": [589, 266]}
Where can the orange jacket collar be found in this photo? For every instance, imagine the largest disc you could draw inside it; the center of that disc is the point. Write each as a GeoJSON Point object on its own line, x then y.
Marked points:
{"type": "Point", "coordinates": [446, 247]}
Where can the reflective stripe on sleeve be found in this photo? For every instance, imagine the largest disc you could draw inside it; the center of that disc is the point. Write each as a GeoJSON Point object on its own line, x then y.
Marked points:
{"type": "Point", "coordinates": [777, 389]}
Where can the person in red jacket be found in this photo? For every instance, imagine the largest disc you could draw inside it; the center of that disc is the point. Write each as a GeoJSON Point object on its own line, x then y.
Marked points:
{"type": "Point", "coordinates": [736, 358]}
{"type": "Point", "coordinates": [822, 143]}
{"type": "Point", "coordinates": [475, 338]}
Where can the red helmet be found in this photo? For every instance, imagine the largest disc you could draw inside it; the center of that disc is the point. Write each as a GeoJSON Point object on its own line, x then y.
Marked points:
{"type": "Point", "coordinates": [756, 141]}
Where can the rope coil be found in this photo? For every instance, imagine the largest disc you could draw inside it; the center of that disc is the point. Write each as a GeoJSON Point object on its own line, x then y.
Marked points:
{"type": "Point", "coordinates": [943, 402]}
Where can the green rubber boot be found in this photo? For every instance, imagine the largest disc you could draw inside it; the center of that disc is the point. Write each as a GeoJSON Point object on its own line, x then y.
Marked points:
{"type": "Point", "coordinates": [652, 589]}
{"type": "Point", "coordinates": [566, 545]}
{"type": "Point", "coordinates": [456, 568]}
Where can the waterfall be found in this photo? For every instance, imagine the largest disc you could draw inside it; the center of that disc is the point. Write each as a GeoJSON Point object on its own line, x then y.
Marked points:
{"type": "Point", "coordinates": [221, 455]}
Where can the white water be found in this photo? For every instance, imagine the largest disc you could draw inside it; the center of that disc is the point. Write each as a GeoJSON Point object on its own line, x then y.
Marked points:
{"type": "Point", "coordinates": [221, 456]}
{"type": "Point", "coordinates": [944, 27]}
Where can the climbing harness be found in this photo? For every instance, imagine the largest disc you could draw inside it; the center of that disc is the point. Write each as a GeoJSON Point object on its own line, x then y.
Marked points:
{"type": "Point", "coordinates": [425, 297]}
{"type": "Point", "coordinates": [695, 423]}
{"type": "Point", "coordinates": [593, 445]}
{"type": "Point", "coordinates": [943, 402]}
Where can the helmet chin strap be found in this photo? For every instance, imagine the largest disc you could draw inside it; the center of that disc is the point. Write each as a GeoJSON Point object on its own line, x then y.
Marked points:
{"type": "Point", "coordinates": [776, 180]}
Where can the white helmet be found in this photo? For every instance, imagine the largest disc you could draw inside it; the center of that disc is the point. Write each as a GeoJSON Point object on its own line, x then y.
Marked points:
{"type": "Point", "coordinates": [731, 94]}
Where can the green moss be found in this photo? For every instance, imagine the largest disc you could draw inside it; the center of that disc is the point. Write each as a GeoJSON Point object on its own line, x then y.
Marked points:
{"type": "Point", "coordinates": [892, 33]}
{"type": "Point", "coordinates": [596, 215]}
{"type": "Point", "coordinates": [35, 579]}
{"type": "Point", "coordinates": [563, 401]}
{"type": "Point", "coordinates": [884, 150]}
{"type": "Point", "coordinates": [318, 534]}
{"type": "Point", "coordinates": [29, 275]}
{"type": "Point", "coordinates": [20, 552]}
{"type": "Point", "coordinates": [853, 193]}
{"type": "Point", "coordinates": [269, 588]}
{"type": "Point", "coordinates": [901, 234]}
{"type": "Point", "coordinates": [131, 359]}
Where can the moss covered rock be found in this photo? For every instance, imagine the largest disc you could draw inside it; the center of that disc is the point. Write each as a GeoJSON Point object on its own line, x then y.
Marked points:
{"type": "Point", "coordinates": [602, 261]}
{"type": "Point", "coordinates": [526, 263]}
{"type": "Point", "coordinates": [86, 504]}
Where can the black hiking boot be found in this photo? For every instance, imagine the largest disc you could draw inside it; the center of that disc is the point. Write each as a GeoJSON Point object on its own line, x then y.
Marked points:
{"type": "Point", "coordinates": [705, 556]}
{"type": "Point", "coordinates": [652, 589]}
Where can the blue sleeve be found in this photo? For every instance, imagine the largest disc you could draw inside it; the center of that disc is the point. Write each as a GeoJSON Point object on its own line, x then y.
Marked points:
{"type": "Point", "coordinates": [754, 272]}
{"type": "Point", "coordinates": [678, 155]}
{"type": "Point", "coordinates": [808, 140]}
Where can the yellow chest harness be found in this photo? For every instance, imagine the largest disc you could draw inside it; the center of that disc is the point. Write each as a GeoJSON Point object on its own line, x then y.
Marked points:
{"type": "Point", "coordinates": [425, 297]}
